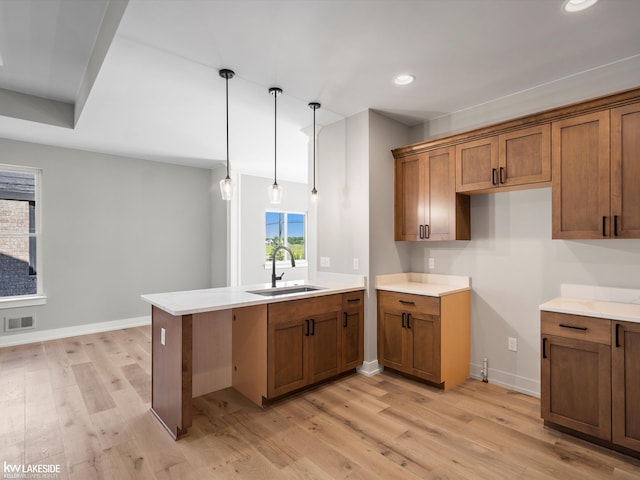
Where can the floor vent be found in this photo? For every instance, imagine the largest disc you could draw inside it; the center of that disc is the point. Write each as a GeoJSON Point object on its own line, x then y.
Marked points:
{"type": "Point", "coordinates": [21, 323]}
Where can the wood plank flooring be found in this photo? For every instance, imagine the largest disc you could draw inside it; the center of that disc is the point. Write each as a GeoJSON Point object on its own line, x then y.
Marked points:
{"type": "Point", "coordinates": [83, 403]}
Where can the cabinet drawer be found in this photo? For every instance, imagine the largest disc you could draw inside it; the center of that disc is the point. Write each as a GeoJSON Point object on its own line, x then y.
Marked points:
{"type": "Point", "coordinates": [409, 302]}
{"type": "Point", "coordinates": [596, 330]}
{"type": "Point", "coordinates": [352, 300]}
{"type": "Point", "coordinates": [292, 309]}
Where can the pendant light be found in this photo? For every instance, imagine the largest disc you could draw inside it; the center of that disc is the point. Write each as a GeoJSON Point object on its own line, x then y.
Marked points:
{"type": "Point", "coordinates": [275, 190]}
{"type": "Point", "coordinates": [314, 106]}
{"type": "Point", "coordinates": [226, 187]}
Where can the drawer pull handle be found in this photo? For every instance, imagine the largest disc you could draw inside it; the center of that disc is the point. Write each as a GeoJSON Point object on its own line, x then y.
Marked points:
{"type": "Point", "coordinates": [573, 327]}
{"type": "Point", "coordinates": [407, 302]}
{"type": "Point", "coordinates": [353, 300]}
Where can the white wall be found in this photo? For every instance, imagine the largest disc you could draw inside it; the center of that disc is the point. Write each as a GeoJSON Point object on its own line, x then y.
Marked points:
{"type": "Point", "coordinates": [114, 228]}
{"type": "Point", "coordinates": [253, 203]}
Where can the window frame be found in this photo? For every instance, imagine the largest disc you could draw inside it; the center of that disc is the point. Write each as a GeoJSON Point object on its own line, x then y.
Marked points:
{"type": "Point", "coordinates": [287, 263]}
{"type": "Point", "coordinates": [38, 298]}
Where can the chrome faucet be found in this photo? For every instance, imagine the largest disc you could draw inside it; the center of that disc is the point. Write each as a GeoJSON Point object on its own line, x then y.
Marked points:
{"type": "Point", "coordinates": [273, 271]}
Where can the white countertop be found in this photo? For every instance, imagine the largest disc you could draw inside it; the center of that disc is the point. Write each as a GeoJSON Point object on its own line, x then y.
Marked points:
{"type": "Point", "coordinates": [224, 298]}
{"type": "Point", "coordinates": [428, 284]}
{"type": "Point", "coordinates": [603, 302]}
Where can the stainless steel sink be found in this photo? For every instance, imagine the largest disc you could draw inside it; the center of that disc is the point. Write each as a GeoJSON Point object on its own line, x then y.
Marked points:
{"type": "Point", "coordinates": [273, 292]}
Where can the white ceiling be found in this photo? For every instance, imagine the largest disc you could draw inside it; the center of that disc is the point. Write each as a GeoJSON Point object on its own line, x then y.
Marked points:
{"type": "Point", "coordinates": [158, 94]}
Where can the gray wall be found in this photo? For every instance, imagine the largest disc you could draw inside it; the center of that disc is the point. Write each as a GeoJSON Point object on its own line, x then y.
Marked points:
{"type": "Point", "coordinates": [114, 228]}
{"type": "Point", "coordinates": [253, 203]}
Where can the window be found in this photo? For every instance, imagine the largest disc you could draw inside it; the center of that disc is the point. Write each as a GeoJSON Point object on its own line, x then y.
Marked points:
{"type": "Point", "coordinates": [19, 232]}
{"type": "Point", "coordinates": [288, 229]}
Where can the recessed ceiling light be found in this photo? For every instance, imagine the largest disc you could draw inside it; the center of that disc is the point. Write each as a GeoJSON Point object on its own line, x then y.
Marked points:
{"type": "Point", "coordinates": [577, 5]}
{"type": "Point", "coordinates": [403, 79]}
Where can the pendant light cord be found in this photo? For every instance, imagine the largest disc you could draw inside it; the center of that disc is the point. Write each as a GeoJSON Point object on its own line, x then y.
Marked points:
{"type": "Point", "coordinates": [275, 137]}
{"type": "Point", "coordinates": [227, 99]}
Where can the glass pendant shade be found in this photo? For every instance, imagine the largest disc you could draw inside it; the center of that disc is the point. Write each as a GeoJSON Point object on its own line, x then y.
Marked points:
{"type": "Point", "coordinates": [226, 188]}
{"type": "Point", "coordinates": [275, 193]}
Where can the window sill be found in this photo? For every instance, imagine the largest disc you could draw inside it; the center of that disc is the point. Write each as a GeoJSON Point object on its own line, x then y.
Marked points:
{"type": "Point", "coordinates": [281, 265]}
{"type": "Point", "coordinates": [24, 301]}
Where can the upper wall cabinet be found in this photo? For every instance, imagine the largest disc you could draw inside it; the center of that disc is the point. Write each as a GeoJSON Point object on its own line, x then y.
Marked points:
{"type": "Point", "coordinates": [596, 172]}
{"type": "Point", "coordinates": [520, 157]}
{"type": "Point", "coordinates": [426, 204]}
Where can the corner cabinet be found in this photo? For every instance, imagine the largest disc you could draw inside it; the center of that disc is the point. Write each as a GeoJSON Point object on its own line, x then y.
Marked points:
{"type": "Point", "coordinates": [590, 378]}
{"type": "Point", "coordinates": [426, 204]}
{"type": "Point", "coordinates": [425, 337]}
{"type": "Point", "coordinates": [311, 340]}
{"type": "Point", "coordinates": [596, 170]}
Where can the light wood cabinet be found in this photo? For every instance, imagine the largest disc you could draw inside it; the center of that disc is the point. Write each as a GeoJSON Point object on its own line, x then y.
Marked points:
{"type": "Point", "coordinates": [426, 204]}
{"type": "Point", "coordinates": [625, 384]}
{"type": "Point", "coordinates": [576, 373]}
{"type": "Point", "coordinates": [311, 340]}
{"type": "Point", "coordinates": [596, 171]}
{"type": "Point", "coordinates": [425, 337]}
{"type": "Point", "coordinates": [509, 160]}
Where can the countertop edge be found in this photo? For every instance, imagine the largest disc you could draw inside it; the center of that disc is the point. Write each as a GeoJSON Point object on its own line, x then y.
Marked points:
{"type": "Point", "coordinates": [592, 308]}
{"type": "Point", "coordinates": [423, 290]}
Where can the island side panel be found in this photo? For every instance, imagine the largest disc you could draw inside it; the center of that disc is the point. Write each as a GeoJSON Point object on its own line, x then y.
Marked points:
{"type": "Point", "coordinates": [249, 347]}
{"type": "Point", "coordinates": [211, 351]}
{"type": "Point", "coordinates": [455, 337]}
{"type": "Point", "coordinates": [172, 371]}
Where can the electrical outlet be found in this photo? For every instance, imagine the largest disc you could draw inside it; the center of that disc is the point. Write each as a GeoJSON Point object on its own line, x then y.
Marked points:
{"type": "Point", "coordinates": [325, 262]}
{"type": "Point", "coordinates": [356, 264]}
{"type": "Point", "coordinates": [512, 344]}
{"type": "Point", "coordinates": [432, 262]}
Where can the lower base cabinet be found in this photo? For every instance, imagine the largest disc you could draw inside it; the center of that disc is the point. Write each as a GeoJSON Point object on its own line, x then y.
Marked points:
{"type": "Point", "coordinates": [311, 340]}
{"type": "Point", "coordinates": [590, 377]}
{"type": "Point", "coordinates": [426, 337]}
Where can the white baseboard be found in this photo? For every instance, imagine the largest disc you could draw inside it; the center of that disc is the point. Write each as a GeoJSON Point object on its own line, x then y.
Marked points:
{"type": "Point", "coordinates": [528, 386]}
{"type": "Point", "coordinates": [369, 369]}
{"type": "Point", "coordinates": [56, 333]}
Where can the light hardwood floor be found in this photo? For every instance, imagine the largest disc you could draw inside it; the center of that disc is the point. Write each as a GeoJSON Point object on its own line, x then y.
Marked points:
{"type": "Point", "coordinates": [83, 403]}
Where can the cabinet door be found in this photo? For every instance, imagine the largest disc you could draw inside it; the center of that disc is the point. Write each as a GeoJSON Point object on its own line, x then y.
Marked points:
{"type": "Point", "coordinates": [286, 353]}
{"type": "Point", "coordinates": [424, 349]}
{"type": "Point", "coordinates": [525, 156]}
{"type": "Point", "coordinates": [625, 171]}
{"type": "Point", "coordinates": [625, 357]}
{"type": "Point", "coordinates": [576, 385]}
{"type": "Point", "coordinates": [409, 198]}
{"type": "Point", "coordinates": [352, 331]}
{"type": "Point", "coordinates": [580, 177]}
{"type": "Point", "coordinates": [477, 165]}
{"type": "Point", "coordinates": [323, 346]}
{"type": "Point", "coordinates": [391, 341]}
{"type": "Point", "coordinates": [440, 216]}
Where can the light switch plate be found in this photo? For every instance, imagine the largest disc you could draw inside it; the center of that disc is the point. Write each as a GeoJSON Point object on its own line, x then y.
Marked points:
{"type": "Point", "coordinates": [512, 344]}
{"type": "Point", "coordinates": [325, 262]}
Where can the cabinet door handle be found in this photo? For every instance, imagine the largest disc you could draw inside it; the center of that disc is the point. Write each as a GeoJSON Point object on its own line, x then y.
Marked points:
{"type": "Point", "coordinates": [421, 231]}
{"type": "Point", "coordinates": [604, 226]}
{"type": "Point", "coordinates": [573, 327]}
{"type": "Point", "coordinates": [407, 302]}
{"type": "Point", "coordinates": [403, 317]}
{"type": "Point", "coordinates": [346, 320]}
{"type": "Point", "coordinates": [306, 333]}
{"type": "Point", "coordinates": [408, 320]}
{"type": "Point", "coordinates": [493, 176]}
{"type": "Point", "coordinates": [313, 327]}
{"type": "Point", "coordinates": [544, 347]}
{"type": "Point", "coordinates": [502, 175]}
{"type": "Point", "coordinates": [427, 231]}
{"type": "Point", "coordinates": [617, 335]}
{"type": "Point", "coordinates": [615, 225]}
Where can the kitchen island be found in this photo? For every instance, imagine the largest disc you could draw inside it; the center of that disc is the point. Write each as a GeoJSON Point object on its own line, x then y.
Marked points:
{"type": "Point", "coordinates": [210, 339]}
